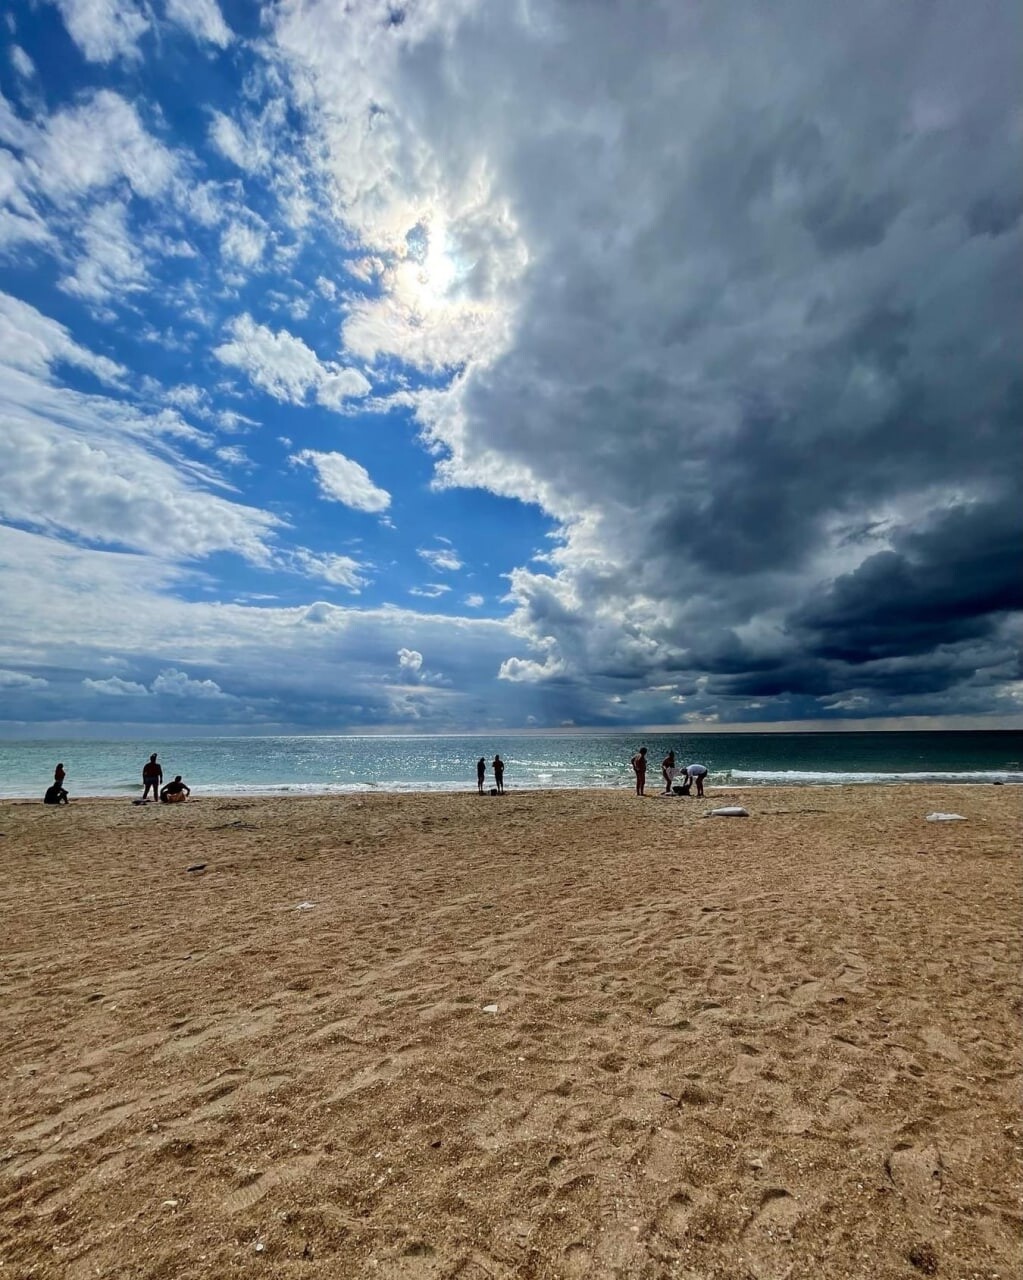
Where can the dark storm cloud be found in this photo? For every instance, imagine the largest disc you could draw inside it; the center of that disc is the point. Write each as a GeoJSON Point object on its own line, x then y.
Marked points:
{"type": "Point", "coordinates": [950, 583]}
{"type": "Point", "coordinates": [773, 319]}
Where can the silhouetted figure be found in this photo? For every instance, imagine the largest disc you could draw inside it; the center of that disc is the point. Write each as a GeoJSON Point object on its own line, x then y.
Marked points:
{"type": "Point", "coordinates": [55, 795]}
{"type": "Point", "coordinates": [638, 763]}
{"type": "Point", "coordinates": [499, 774]}
{"type": "Point", "coordinates": [58, 776]}
{"type": "Point", "coordinates": [481, 773]}
{"type": "Point", "coordinates": [668, 771]}
{"type": "Point", "coordinates": [175, 792]}
{"type": "Point", "coordinates": [152, 776]}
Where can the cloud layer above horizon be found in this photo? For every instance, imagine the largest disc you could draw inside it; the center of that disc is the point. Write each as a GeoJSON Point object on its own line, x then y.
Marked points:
{"type": "Point", "coordinates": [444, 365]}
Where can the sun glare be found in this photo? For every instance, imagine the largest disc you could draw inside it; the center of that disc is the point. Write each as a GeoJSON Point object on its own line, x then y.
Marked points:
{"type": "Point", "coordinates": [427, 272]}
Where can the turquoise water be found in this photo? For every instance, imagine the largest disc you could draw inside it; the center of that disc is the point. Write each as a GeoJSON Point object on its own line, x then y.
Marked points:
{"type": "Point", "coordinates": [318, 765]}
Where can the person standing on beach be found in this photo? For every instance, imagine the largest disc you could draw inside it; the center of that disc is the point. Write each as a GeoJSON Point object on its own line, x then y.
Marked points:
{"type": "Point", "coordinates": [499, 774]}
{"type": "Point", "coordinates": [668, 771]}
{"type": "Point", "coordinates": [696, 773]}
{"type": "Point", "coordinates": [58, 777]}
{"type": "Point", "coordinates": [152, 776]}
{"type": "Point", "coordinates": [638, 763]}
{"type": "Point", "coordinates": [481, 773]}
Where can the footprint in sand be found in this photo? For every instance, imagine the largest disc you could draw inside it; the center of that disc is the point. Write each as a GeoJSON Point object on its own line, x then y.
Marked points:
{"type": "Point", "coordinates": [778, 1210]}
{"type": "Point", "coordinates": [576, 1260]}
{"type": "Point", "coordinates": [246, 1196]}
{"type": "Point", "coordinates": [917, 1173]}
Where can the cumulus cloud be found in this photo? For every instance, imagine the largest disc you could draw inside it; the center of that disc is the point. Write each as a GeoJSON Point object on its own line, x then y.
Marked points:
{"type": "Point", "coordinates": [343, 480]}
{"type": "Point", "coordinates": [18, 680]}
{"type": "Point", "coordinates": [177, 684]}
{"type": "Point", "coordinates": [284, 367]}
{"type": "Point", "coordinates": [410, 659]}
{"type": "Point", "coordinates": [115, 687]}
{"type": "Point", "coordinates": [735, 360]}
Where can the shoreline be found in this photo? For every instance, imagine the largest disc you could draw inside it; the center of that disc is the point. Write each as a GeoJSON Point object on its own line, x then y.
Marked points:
{"type": "Point", "coordinates": [291, 792]}
{"type": "Point", "coordinates": [568, 1035]}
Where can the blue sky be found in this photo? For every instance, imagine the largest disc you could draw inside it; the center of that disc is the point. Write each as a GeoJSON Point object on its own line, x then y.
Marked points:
{"type": "Point", "coordinates": [447, 365]}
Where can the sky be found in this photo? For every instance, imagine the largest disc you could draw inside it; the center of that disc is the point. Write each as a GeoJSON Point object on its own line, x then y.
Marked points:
{"type": "Point", "coordinates": [451, 365]}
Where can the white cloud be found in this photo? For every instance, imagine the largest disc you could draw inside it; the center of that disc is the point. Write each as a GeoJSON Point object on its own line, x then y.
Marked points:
{"type": "Point", "coordinates": [244, 243]}
{"type": "Point", "coordinates": [339, 571]}
{"type": "Point", "coordinates": [104, 29]}
{"type": "Point", "coordinates": [474, 601]}
{"type": "Point", "coordinates": [525, 671]}
{"type": "Point", "coordinates": [22, 63]}
{"type": "Point", "coordinates": [202, 18]}
{"type": "Point", "coordinates": [410, 659]}
{"type": "Point", "coordinates": [430, 591]}
{"type": "Point", "coordinates": [343, 480]}
{"type": "Point", "coordinates": [177, 684]}
{"type": "Point", "coordinates": [18, 680]}
{"type": "Point", "coordinates": [112, 264]}
{"type": "Point", "coordinates": [247, 149]}
{"type": "Point", "coordinates": [34, 343]}
{"type": "Point", "coordinates": [93, 145]}
{"type": "Point", "coordinates": [284, 367]}
{"type": "Point", "coordinates": [440, 559]}
{"type": "Point", "coordinates": [115, 687]}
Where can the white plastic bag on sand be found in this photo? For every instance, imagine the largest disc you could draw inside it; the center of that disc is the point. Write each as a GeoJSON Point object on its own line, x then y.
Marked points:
{"type": "Point", "coordinates": [729, 811]}
{"type": "Point", "coordinates": [945, 817]}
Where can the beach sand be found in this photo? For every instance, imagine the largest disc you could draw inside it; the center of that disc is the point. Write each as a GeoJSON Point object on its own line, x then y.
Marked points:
{"type": "Point", "coordinates": [551, 1034]}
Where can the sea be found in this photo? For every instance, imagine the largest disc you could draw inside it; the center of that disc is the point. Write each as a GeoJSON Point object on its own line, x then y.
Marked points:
{"type": "Point", "coordinates": [325, 765]}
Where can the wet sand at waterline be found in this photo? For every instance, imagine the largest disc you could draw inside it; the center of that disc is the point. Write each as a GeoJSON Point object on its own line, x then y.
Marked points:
{"type": "Point", "coordinates": [547, 1034]}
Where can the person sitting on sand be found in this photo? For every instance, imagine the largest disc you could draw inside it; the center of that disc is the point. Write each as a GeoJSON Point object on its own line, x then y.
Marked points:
{"type": "Point", "coordinates": [499, 774]}
{"type": "Point", "coordinates": [668, 771]}
{"type": "Point", "coordinates": [695, 773]}
{"type": "Point", "coordinates": [152, 776]}
{"type": "Point", "coordinates": [55, 795]}
{"type": "Point", "coordinates": [638, 763]}
{"type": "Point", "coordinates": [175, 792]}
{"type": "Point", "coordinates": [481, 773]}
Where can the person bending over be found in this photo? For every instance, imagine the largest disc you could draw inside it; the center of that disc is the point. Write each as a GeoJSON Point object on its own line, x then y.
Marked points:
{"type": "Point", "coordinates": [175, 792]}
{"type": "Point", "coordinates": [696, 773]}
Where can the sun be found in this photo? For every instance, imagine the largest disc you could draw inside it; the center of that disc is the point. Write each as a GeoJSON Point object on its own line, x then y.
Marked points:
{"type": "Point", "coordinates": [428, 270]}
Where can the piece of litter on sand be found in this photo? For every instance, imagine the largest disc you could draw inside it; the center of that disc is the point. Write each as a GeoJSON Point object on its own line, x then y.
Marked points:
{"type": "Point", "coordinates": [169, 1204]}
{"type": "Point", "coordinates": [304, 906]}
{"type": "Point", "coordinates": [197, 866]}
{"type": "Point", "coordinates": [729, 811]}
{"type": "Point", "coordinates": [945, 817]}
{"type": "Point", "coordinates": [490, 1008]}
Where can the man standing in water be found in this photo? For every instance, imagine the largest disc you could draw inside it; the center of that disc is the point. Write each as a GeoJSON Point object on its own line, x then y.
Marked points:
{"type": "Point", "coordinates": [481, 773]}
{"type": "Point", "coordinates": [638, 763]}
{"type": "Point", "coordinates": [499, 774]}
{"type": "Point", "coordinates": [152, 776]}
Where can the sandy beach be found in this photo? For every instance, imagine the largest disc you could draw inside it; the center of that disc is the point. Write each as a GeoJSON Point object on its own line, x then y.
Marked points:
{"type": "Point", "coordinates": [554, 1034]}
